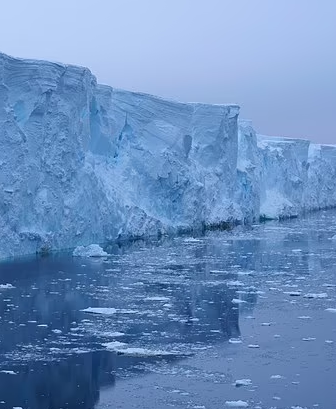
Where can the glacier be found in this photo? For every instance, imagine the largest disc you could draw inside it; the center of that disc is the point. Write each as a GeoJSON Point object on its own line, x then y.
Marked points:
{"type": "Point", "coordinates": [84, 163]}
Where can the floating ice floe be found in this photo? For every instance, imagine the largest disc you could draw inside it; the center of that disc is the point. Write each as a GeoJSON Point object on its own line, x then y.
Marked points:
{"type": "Point", "coordinates": [316, 295]}
{"type": "Point", "coordinates": [331, 309]}
{"type": "Point", "coordinates": [8, 372]}
{"type": "Point", "coordinates": [293, 293]}
{"type": "Point", "coordinates": [309, 339]}
{"type": "Point", "coordinates": [253, 346]}
{"type": "Point", "coordinates": [236, 404]}
{"type": "Point", "coordinates": [112, 334]}
{"type": "Point", "coordinates": [56, 331]}
{"type": "Point", "coordinates": [277, 377]}
{"type": "Point", "coordinates": [235, 341]}
{"type": "Point", "coordinates": [238, 301]}
{"type": "Point", "coordinates": [157, 298]}
{"type": "Point", "coordinates": [109, 311]}
{"type": "Point", "coordinates": [123, 349]}
{"type": "Point", "coordinates": [243, 382]}
{"type": "Point", "coordinates": [192, 240]}
{"type": "Point", "coordinates": [235, 283]}
{"type": "Point", "coordinates": [6, 286]}
{"type": "Point", "coordinates": [93, 250]}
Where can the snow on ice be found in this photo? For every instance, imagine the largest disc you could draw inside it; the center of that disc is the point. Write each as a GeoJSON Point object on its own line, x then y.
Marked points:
{"type": "Point", "coordinates": [95, 164]}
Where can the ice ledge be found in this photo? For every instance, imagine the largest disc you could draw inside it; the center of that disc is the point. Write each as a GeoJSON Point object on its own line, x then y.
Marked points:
{"type": "Point", "coordinates": [84, 163]}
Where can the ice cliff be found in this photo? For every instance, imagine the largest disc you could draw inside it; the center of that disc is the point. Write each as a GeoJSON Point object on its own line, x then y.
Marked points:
{"type": "Point", "coordinates": [82, 163]}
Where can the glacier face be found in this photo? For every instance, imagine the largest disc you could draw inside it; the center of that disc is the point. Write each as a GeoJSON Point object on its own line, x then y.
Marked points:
{"type": "Point", "coordinates": [82, 163]}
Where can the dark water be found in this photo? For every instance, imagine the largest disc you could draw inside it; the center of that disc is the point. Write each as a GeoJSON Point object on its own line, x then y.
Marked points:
{"type": "Point", "coordinates": [181, 322]}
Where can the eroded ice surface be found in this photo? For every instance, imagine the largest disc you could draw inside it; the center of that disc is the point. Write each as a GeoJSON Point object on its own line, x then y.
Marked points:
{"type": "Point", "coordinates": [84, 163]}
{"type": "Point", "coordinates": [153, 325]}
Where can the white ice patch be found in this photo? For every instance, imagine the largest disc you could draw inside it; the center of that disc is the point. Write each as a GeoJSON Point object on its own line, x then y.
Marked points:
{"type": "Point", "coordinates": [114, 334]}
{"type": "Point", "coordinates": [93, 250]}
{"type": "Point", "coordinates": [8, 372]}
{"type": "Point", "coordinates": [157, 298]}
{"type": "Point", "coordinates": [331, 310]}
{"type": "Point", "coordinates": [123, 349]}
{"type": "Point", "coordinates": [238, 301]}
{"type": "Point", "coordinates": [316, 295]}
{"type": "Point", "coordinates": [235, 341]}
{"type": "Point", "coordinates": [293, 293]}
{"type": "Point", "coordinates": [108, 311]}
{"type": "Point", "coordinates": [115, 345]}
{"type": "Point", "coordinates": [6, 287]}
{"type": "Point", "coordinates": [235, 283]}
{"type": "Point", "coordinates": [192, 240]}
{"type": "Point", "coordinates": [236, 404]}
{"type": "Point", "coordinates": [243, 382]}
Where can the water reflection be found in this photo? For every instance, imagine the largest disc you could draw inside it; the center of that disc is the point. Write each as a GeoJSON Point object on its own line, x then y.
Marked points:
{"type": "Point", "coordinates": [175, 296]}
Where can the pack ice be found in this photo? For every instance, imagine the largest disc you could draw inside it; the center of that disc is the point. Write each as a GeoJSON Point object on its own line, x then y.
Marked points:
{"type": "Point", "coordinates": [84, 163]}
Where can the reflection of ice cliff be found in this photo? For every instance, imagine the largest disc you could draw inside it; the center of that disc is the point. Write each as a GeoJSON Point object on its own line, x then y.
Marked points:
{"type": "Point", "coordinates": [171, 297]}
{"type": "Point", "coordinates": [51, 292]}
{"type": "Point", "coordinates": [83, 163]}
{"type": "Point", "coordinates": [73, 383]}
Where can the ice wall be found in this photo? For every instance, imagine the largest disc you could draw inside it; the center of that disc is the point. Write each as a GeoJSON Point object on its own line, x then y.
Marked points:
{"type": "Point", "coordinates": [85, 163]}
{"type": "Point", "coordinates": [248, 172]}
{"type": "Point", "coordinates": [283, 176]}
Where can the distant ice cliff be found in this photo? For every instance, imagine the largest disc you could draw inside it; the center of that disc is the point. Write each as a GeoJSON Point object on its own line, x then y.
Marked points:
{"type": "Point", "coordinates": [85, 163]}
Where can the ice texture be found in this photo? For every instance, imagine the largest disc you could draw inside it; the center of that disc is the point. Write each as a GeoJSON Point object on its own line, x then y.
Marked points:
{"type": "Point", "coordinates": [93, 250]}
{"type": "Point", "coordinates": [84, 163]}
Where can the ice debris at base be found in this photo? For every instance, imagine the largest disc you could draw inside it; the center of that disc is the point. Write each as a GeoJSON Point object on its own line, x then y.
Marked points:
{"type": "Point", "coordinates": [95, 164]}
{"type": "Point", "coordinates": [93, 250]}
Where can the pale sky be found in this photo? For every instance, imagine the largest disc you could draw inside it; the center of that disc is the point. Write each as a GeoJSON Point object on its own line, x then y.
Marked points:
{"type": "Point", "coordinates": [275, 58]}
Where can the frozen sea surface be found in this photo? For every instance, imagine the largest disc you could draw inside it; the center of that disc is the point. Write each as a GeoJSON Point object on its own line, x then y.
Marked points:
{"type": "Point", "coordinates": [231, 319]}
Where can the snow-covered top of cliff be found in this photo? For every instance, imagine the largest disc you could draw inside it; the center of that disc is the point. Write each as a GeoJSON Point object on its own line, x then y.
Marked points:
{"type": "Point", "coordinates": [43, 69]}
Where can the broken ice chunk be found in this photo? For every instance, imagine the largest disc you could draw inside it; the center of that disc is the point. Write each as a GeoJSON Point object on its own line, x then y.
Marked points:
{"type": "Point", "coordinates": [236, 404]}
{"type": "Point", "coordinates": [93, 250]}
{"type": "Point", "coordinates": [243, 382]}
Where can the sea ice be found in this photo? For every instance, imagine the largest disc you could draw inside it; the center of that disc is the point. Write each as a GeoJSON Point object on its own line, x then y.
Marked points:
{"type": "Point", "coordinates": [93, 250]}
